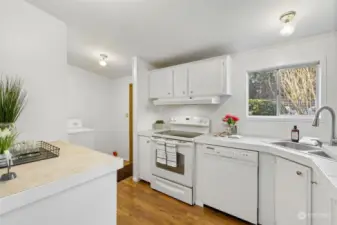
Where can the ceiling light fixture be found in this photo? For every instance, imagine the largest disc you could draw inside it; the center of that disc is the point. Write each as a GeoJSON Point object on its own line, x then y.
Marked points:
{"type": "Point", "coordinates": [288, 27]}
{"type": "Point", "coordinates": [103, 60]}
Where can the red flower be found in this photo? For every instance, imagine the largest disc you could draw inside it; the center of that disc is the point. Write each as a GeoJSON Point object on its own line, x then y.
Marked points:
{"type": "Point", "coordinates": [225, 119]}
{"type": "Point", "coordinates": [235, 118]}
{"type": "Point", "coordinates": [115, 154]}
{"type": "Point", "coordinates": [230, 119]}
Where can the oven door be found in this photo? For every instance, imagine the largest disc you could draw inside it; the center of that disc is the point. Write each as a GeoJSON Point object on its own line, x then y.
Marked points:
{"type": "Point", "coordinates": [183, 172]}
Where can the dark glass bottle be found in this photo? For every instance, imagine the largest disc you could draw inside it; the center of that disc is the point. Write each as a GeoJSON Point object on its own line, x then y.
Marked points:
{"type": "Point", "coordinates": [295, 134]}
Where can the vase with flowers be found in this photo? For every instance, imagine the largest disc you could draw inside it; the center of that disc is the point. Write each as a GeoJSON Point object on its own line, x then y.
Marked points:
{"type": "Point", "coordinates": [7, 139]}
{"type": "Point", "coordinates": [231, 121]}
{"type": "Point", "coordinates": [12, 102]}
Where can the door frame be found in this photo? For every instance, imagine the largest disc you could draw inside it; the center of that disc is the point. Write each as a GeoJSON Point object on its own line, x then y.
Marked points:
{"type": "Point", "coordinates": [130, 123]}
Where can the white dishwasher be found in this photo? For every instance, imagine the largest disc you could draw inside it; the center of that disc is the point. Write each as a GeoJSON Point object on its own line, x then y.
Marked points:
{"type": "Point", "coordinates": [229, 181]}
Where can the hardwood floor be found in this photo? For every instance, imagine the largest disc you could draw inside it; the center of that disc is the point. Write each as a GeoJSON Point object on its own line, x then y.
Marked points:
{"type": "Point", "coordinates": [137, 204]}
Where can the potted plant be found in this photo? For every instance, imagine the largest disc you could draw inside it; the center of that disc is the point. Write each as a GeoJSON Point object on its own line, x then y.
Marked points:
{"type": "Point", "coordinates": [158, 125]}
{"type": "Point", "coordinates": [12, 102]}
{"type": "Point", "coordinates": [231, 121]}
{"type": "Point", "coordinates": [7, 139]}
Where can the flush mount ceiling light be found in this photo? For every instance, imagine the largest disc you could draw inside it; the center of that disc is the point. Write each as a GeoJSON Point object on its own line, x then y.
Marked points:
{"type": "Point", "coordinates": [288, 27]}
{"type": "Point", "coordinates": [103, 59]}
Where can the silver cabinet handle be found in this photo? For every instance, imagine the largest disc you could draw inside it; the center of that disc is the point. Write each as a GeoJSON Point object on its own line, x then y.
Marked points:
{"type": "Point", "coordinates": [148, 142]}
{"type": "Point", "coordinates": [210, 148]}
{"type": "Point", "coordinates": [299, 173]}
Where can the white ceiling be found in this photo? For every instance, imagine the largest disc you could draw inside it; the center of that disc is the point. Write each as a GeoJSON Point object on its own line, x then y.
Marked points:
{"type": "Point", "coordinates": [167, 32]}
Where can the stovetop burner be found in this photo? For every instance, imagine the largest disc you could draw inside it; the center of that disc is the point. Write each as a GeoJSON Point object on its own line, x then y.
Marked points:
{"type": "Point", "coordinates": [176, 133]}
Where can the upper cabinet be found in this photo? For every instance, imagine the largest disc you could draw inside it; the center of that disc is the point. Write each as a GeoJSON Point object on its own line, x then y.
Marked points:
{"type": "Point", "coordinates": [207, 77]}
{"type": "Point", "coordinates": [180, 81]}
{"type": "Point", "coordinates": [203, 78]}
{"type": "Point", "coordinates": [161, 83]}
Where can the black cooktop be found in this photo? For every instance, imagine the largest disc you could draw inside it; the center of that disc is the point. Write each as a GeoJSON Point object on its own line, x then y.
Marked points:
{"type": "Point", "coordinates": [176, 133]}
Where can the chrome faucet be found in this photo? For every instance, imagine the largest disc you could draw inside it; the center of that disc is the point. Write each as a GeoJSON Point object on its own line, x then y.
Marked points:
{"type": "Point", "coordinates": [315, 123]}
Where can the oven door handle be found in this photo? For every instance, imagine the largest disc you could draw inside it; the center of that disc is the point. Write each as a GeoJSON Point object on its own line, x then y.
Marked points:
{"type": "Point", "coordinates": [158, 141]}
{"type": "Point", "coordinates": [184, 144]}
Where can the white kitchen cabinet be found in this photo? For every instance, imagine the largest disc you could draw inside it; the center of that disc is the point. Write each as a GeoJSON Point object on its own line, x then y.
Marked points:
{"type": "Point", "coordinates": [267, 164]}
{"type": "Point", "coordinates": [180, 84]}
{"type": "Point", "coordinates": [292, 193]}
{"type": "Point", "coordinates": [208, 77]}
{"type": "Point", "coordinates": [161, 83]}
{"type": "Point", "coordinates": [144, 149]}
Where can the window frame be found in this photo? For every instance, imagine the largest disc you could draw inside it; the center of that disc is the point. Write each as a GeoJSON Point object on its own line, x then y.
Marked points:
{"type": "Point", "coordinates": [320, 67]}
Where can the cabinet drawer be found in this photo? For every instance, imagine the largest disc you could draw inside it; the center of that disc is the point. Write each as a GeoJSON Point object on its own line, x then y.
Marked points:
{"type": "Point", "coordinates": [172, 189]}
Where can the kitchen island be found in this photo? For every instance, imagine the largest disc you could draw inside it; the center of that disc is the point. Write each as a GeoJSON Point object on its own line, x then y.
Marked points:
{"type": "Point", "coordinates": [78, 187]}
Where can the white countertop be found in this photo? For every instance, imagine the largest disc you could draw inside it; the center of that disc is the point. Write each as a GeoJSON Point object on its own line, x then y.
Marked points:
{"type": "Point", "coordinates": [79, 130]}
{"type": "Point", "coordinates": [327, 166]}
{"type": "Point", "coordinates": [75, 166]}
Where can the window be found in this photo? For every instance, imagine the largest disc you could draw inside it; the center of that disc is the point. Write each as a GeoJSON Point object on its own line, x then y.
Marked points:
{"type": "Point", "coordinates": [290, 91]}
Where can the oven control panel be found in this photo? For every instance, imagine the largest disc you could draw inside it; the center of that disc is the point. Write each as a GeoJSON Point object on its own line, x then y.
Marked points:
{"type": "Point", "coordinates": [190, 120]}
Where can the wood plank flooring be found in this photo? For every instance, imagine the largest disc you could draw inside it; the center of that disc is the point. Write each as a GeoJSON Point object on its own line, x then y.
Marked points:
{"type": "Point", "coordinates": [137, 204]}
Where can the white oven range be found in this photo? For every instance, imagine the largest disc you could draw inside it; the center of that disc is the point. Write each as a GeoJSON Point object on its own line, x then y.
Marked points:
{"type": "Point", "coordinates": [173, 157]}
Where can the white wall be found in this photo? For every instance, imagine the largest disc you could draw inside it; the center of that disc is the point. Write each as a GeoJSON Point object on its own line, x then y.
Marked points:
{"type": "Point", "coordinates": [120, 121]}
{"type": "Point", "coordinates": [90, 99]}
{"type": "Point", "coordinates": [33, 46]}
{"type": "Point", "coordinates": [144, 111]}
{"type": "Point", "coordinates": [318, 48]}
{"type": "Point", "coordinates": [103, 104]}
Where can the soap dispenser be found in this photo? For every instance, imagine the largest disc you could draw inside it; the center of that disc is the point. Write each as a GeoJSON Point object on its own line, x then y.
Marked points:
{"type": "Point", "coordinates": [295, 134]}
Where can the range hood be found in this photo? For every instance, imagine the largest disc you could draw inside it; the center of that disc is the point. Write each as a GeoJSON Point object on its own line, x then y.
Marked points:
{"type": "Point", "coordinates": [188, 101]}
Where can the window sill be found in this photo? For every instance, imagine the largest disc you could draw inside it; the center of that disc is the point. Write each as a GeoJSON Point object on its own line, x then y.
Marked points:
{"type": "Point", "coordinates": [305, 119]}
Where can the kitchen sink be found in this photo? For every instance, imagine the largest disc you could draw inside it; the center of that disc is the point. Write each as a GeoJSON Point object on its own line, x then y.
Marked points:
{"type": "Point", "coordinates": [303, 148]}
{"type": "Point", "coordinates": [295, 146]}
{"type": "Point", "coordinates": [320, 153]}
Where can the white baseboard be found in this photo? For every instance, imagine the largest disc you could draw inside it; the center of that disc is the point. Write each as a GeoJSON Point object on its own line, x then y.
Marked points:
{"type": "Point", "coordinates": [199, 203]}
{"type": "Point", "coordinates": [135, 179]}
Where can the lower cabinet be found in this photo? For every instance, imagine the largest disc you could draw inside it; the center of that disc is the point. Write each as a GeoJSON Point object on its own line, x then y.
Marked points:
{"type": "Point", "coordinates": [292, 193]}
{"type": "Point", "coordinates": [284, 192]}
{"type": "Point", "coordinates": [144, 152]}
{"type": "Point", "coordinates": [267, 164]}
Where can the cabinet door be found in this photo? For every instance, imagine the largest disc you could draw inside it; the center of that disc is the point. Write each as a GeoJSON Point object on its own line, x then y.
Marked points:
{"type": "Point", "coordinates": [206, 78]}
{"type": "Point", "coordinates": [144, 147]}
{"type": "Point", "coordinates": [161, 83]}
{"type": "Point", "coordinates": [180, 81]}
{"type": "Point", "coordinates": [267, 188]}
{"type": "Point", "coordinates": [292, 193]}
